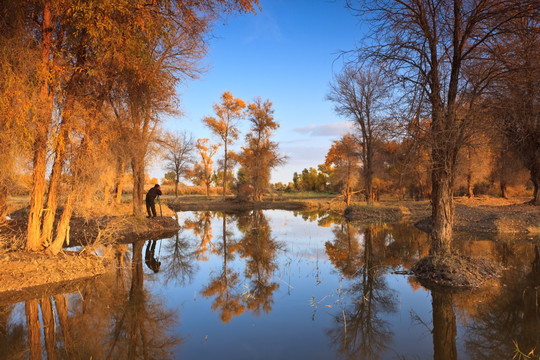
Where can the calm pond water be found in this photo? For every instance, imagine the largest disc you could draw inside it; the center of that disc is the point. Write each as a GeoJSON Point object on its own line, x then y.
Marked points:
{"type": "Point", "coordinates": [281, 285]}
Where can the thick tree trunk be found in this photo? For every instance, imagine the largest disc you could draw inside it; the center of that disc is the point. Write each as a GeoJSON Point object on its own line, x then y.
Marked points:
{"type": "Point", "coordinates": [52, 194]}
{"type": "Point", "coordinates": [40, 143]}
{"type": "Point", "coordinates": [137, 165]}
{"type": "Point", "coordinates": [62, 229]}
{"type": "Point", "coordinates": [33, 328]}
{"type": "Point", "coordinates": [442, 212]}
{"type": "Point", "coordinates": [33, 242]}
{"type": "Point", "coordinates": [176, 188]}
{"type": "Point", "coordinates": [444, 327]}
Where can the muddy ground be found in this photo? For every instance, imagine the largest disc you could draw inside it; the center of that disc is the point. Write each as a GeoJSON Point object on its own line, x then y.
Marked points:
{"type": "Point", "coordinates": [477, 215]}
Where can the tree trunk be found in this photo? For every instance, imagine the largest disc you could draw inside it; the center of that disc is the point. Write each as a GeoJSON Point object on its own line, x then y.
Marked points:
{"type": "Point", "coordinates": [137, 165]}
{"type": "Point", "coordinates": [40, 143]}
{"type": "Point", "coordinates": [119, 183]}
{"type": "Point", "coordinates": [225, 172]}
{"type": "Point", "coordinates": [444, 326]}
{"type": "Point", "coordinates": [49, 327]}
{"type": "Point", "coordinates": [502, 186]}
{"type": "Point", "coordinates": [107, 193]}
{"type": "Point", "coordinates": [52, 194]}
{"type": "Point", "coordinates": [176, 188]}
{"type": "Point", "coordinates": [3, 202]}
{"type": "Point", "coordinates": [369, 173]}
{"type": "Point", "coordinates": [33, 235]}
{"type": "Point", "coordinates": [535, 177]}
{"type": "Point", "coordinates": [62, 229]}
{"type": "Point", "coordinates": [34, 329]}
{"type": "Point", "coordinates": [442, 212]}
{"type": "Point", "coordinates": [470, 187]}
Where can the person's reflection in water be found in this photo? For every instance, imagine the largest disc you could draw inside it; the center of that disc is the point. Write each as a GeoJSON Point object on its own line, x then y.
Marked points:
{"type": "Point", "coordinates": [150, 256]}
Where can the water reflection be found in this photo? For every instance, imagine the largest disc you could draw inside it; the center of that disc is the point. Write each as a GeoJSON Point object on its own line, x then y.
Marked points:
{"type": "Point", "coordinates": [150, 256]}
{"type": "Point", "coordinates": [513, 314]}
{"type": "Point", "coordinates": [100, 320]}
{"type": "Point", "coordinates": [225, 273]}
{"type": "Point", "coordinates": [444, 326]}
{"type": "Point", "coordinates": [361, 331]}
{"type": "Point", "coordinates": [260, 251]}
{"type": "Point", "coordinates": [224, 287]}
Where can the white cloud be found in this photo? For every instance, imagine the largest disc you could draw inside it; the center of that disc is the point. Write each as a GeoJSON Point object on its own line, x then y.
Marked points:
{"type": "Point", "coordinates": [329, 130]}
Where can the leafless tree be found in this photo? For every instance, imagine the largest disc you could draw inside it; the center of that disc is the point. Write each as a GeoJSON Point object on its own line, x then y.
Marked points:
{"type": "Point", "coordinates": [429, 44]}
{"type": "Point", "coordinates": [362, 96]}
{"type": "Point", "coordinates": [179, 150]}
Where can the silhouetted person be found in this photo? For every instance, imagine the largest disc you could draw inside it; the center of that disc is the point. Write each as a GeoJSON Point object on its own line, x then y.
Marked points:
{"type": "Point", "coordinates": [150, 256]}
{"type": "Point", "coordinates": [151, 200]}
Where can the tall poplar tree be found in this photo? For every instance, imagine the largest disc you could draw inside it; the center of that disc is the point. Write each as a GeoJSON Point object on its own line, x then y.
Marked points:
{"type": "Point", "coordinates": [225, 126]}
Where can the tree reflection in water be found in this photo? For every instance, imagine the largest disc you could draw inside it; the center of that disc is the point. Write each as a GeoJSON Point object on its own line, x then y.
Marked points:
{"type": "Point", "coordinates": [513, 314]}
{"type": "Point", "coordinates": [361, 332]}
{"type": "Point", "coordinates": [225, 286]}
{"type": "Point", "coordinates": [259, 249]}
{"type": "Point", "coordinates": [202, 228]}
{"type": "Point", "coordinates": [180, 260]}
{"type": "Point", "coordinates": [103, 320]}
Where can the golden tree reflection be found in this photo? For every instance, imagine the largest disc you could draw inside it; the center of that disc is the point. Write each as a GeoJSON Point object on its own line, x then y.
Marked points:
{"type": "Point", "coordinates": [260, 250]}
{"type": "Point", "coordinates": [202, 228]}
{"type": "Point", "coordinates": [101, 320]}
{"type": "Point", "coordinates": [344, 251]}
{"type": "Point", "coordinates": [225, 286]}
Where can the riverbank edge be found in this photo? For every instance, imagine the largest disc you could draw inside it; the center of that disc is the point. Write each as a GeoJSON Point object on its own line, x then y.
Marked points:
{"type": "Point", "coordinates": [25, 273]}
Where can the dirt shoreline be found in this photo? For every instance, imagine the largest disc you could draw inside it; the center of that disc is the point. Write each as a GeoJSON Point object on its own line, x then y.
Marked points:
{"type": "Point", "coordinates": [23, 273]}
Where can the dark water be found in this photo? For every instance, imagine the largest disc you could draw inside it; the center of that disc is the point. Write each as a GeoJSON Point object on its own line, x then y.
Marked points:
{"type": "Point", "coordinates": [281, 285]}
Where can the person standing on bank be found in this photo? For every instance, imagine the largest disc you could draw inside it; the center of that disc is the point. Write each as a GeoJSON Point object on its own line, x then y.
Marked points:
{"type": "Point", "coordinates": [151, 200]}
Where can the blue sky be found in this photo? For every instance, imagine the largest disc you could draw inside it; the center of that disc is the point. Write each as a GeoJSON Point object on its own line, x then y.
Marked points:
{"type": "Point", "coordinates": [287, 53]}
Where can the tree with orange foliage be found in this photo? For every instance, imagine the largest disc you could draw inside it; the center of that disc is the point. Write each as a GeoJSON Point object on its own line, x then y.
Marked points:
{"type": "Point", "coordinates": [202, 171]}
{"type": "Point", "coordinates": [85, 57]}
{"type": "Point", "coordinates": [225, 126]}
{"type": "Point", "coordinates": [260, 155]}
{"type": "Point", "coordinates": [344, 160]}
